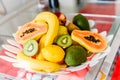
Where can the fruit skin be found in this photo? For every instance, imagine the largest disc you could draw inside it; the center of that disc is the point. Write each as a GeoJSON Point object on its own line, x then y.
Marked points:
{"type": "Point", "coordinates": [61, 17]}
{"type": "Point", "coordinates": [53, 25]}
{"type": "Point", "coordinates": [95, 44]}
{"type": "Point", "coordinates": [21, 36]}
{"type": "Point", "coordinates": [71, 27]}
{"type": "Point", "coordinates": [62, 30]}
{"type": "Point", "coordinates": [75, 55]}
{"type": "Point", "coordinates": [40, 56]}
{"type": "Point", "coordinates": [41, 42]}
{"type": "Point", "coordinates": [53, 53]}
{"type": "Point", "coordinates": [41, 45]}
{"type": "Point", "coordinates": [39, 21]}
{"type": "Point", "coordinates": [64, 41]}
{"type": "Point", "coordinates": [30, 47]}
{"type": "Point", "coordinates": [37, 65]}
{"type": "Point", "coordinates": [81, 21]}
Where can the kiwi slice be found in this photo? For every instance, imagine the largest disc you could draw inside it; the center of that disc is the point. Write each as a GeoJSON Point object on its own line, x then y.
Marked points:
{"type": "Point", "coordinates": [64, 40]}
{"type": "Point", "coordinates": [30, 47]}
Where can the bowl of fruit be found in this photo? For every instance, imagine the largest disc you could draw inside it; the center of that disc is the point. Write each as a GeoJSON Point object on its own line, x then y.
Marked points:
{"type": "Point", "coordinates": [52, 44]}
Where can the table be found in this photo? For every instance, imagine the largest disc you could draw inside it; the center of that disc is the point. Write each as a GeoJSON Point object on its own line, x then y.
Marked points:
{"type": "Point", "coordinates": [104, 13]}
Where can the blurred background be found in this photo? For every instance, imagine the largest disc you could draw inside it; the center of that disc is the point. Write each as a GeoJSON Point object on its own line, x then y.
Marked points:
{"type": "Point", "coordinates": [14, 13]}
{"type": "Point", "coordinates": [9, 9]}
{"type": "Point", "coordinates": [8, 6]}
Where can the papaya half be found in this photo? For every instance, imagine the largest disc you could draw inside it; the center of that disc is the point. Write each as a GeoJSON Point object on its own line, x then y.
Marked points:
{"type": "Point", "coordinates": [92, 41]}
{"type": "Point", "coordinates": [30, 31]}
{"type": "Point", "coordinates": [53, 26]}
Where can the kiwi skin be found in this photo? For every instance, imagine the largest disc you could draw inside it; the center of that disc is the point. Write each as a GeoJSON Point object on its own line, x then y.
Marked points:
{"type": "Point", "coordinates": [64, 41]}
{"type": "Point", "coordinates": [72, 27]}
{"type": "Point", "coordinates": [30, 47]}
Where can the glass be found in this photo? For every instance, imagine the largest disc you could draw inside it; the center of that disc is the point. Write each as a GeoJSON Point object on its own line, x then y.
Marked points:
{"type": "Point", "coordinates": [105, 14]}
{"type": "Point", "coordinates": [54, 5]}
{"type": "Point", "coordinates": [2, 8]}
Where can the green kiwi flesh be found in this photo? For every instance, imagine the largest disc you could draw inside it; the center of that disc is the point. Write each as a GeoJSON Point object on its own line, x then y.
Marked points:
{"type": "Point", "coordinates": [30, 47]}
{"type": "Point", "coordinates": [64, 41]}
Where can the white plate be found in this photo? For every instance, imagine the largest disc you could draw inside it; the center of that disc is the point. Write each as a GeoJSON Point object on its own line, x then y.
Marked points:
{"type": "Point", "coordinates": [13, 48]}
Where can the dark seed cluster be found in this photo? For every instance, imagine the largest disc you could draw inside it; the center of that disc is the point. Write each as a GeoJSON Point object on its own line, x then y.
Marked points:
{"type": "Point", "coordinates": [28, 31]}
{"type": "Point", "coordinates": [92, 38]}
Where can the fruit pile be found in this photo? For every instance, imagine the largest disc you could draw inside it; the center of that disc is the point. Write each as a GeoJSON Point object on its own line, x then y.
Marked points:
{"type": "Point", "coordinates": [50, 44]}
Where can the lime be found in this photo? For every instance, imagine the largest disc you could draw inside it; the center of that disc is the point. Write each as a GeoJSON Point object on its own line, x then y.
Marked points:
{"type": "Point", "coordinates": [75, 55]}
{"type": "Point", "coordinates": [81, 21]}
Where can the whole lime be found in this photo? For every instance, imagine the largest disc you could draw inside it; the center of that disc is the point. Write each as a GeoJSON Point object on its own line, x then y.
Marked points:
{"type": "Point", "coordinates": [75, 55]}
{"type": "Point", "coordinates": [81, 21]}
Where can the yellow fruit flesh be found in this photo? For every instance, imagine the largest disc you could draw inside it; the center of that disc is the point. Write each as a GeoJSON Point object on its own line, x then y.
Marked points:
{"type": "Point", "coordinates": [53, 26]}
{"type": "Point", "coordinates": [38, 65]}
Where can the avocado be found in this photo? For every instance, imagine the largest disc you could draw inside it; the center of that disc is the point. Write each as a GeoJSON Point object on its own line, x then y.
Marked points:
{"type": "Point", "coordinates": [81, 21]}
{"type": "Point", "coordinates": [75, 55]}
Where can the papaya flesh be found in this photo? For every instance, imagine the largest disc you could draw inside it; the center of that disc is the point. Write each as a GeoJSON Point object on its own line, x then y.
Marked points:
{"type": "Point", "coordinates": [92, 41]}
{"type": "Point", "coordinates": [30, 31]}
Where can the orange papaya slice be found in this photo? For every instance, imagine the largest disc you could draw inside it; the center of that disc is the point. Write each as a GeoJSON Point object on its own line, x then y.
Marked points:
{"type": "Point", "coordinates": [92, 41]}
{"type": "Point", "coordinates": [30, 31]}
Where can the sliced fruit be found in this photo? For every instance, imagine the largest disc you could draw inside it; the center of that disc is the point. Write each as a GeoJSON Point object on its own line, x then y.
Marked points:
{"type": "Point", "coordinates": [30, 47]}
{"type": "Point", "coordinates": [30, 31]}
{"type": "Point", "coordinates": [75, 55]}
{"type": "Point", "coordinates": [53, 53]}
{"type": "Point", "coordinates": [61, 17]}
{"type": "Point", "coordinates": [81, 21]}
{"type": "Point", "coordinates": [64, 41]}
{"type": "Point", "coordinates": [37, 65]}
{"type": "Point", "coordinates": [62, 30]}
{"type": "Point", "coordinates": [53, 26]}
{"type": "Point", "coordinates": [92, 41]}
{"type": "Point", "coordinates": [72, 27]}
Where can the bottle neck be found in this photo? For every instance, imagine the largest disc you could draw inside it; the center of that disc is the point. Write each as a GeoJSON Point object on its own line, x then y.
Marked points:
{"type": "Point", "coordinates": [54, 5]}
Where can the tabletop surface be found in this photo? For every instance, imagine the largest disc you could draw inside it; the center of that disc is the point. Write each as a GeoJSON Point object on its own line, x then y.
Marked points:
{"type": "Point", "coordinates": [104, 13]}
